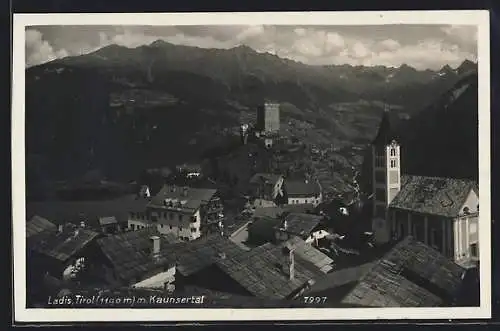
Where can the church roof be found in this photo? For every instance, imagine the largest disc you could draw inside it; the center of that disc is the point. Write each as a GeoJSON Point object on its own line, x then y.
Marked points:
{"type": "Point", "coordinates": [433, 195]}
{"type": "Point", "coordinates": [386, 132]}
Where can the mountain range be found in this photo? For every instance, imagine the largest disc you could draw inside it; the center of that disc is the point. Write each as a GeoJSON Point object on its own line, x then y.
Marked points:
{"type": "Point", "coordinates": [122, 109]}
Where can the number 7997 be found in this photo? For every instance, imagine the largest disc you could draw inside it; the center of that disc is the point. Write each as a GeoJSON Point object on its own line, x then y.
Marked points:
{"type": "Point", "coordinates": [313, 300]}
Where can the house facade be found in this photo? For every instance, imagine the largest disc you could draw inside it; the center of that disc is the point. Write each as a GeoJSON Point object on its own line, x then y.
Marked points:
{"type": "Point", "coordinates": [441, 212]}
{"type": "Point", "coordinates": [303, 192]}
{"type": "Point", "coordinates": [182, 211]}
{"type": "Point", "coordinates": [266, 187]}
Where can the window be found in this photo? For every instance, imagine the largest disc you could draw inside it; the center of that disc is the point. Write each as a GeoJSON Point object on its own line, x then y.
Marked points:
{"type": "Point", "coordinates": [180, 228]}
{"type": "Point", "coordinates": [478, 207]}
{"type": "Point", "coordinates": [473, 227]}
{"type": "Point", "coordinates": [394, 163]}
{"type": "Point", "coordinates": [401, 230]}
{"type": "Point", "coordinates": [170, 226]}
{"type": "Point", "coordinates": [473, 250]}
{"type": "Point", "coordinates": [180, 217]}
{"type": "Point", "coordinates": [393, 152]}
{"type": "Point", "coordinates": [466, 211]}
{"type": "Point", "coordinates": [380, 176]}
{"type": "Point", "coordinates": [193, 230]}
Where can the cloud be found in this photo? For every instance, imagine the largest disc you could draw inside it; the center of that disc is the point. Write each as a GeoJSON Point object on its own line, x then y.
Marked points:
{"type": "Point", "coordinates": [420, 46]}
{"type": "Point", "coordinates": [39, 50]}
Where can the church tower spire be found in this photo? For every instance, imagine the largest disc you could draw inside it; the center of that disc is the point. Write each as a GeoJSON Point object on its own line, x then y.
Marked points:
{"type": "Point", "coordinates": [386, 176]}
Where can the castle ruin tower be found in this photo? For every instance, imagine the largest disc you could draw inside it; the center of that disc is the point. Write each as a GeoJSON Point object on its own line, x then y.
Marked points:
{"type": "Point", "coordinates": [386, 177]}
{"type": "Point", "coordinates": [268, 117]}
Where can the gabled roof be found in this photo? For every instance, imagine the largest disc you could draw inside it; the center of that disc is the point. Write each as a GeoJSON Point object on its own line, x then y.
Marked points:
{"type": "Point", "coordinates": [61, 245]}
{"type": "Point", "coordinates": [412, 274]}
{"type": "Point", "coordinates": [386, 133]}
{"type": "Point", "coordinates": [432, 195]}
{"type": "Point", "coordinates": [260, 272]}
{"type": "Point", "coordinates": [341, 277]}
{"type": "Point", "coordinates": [307, 252]}
{"type": "Point", "coordinates": [298, 188]}
{"type": "Point", "coordinates": [201, 253]}
{"type": "Point", "coordinates": [107, 220]}
{"type": "Point", "coordinates": [37, 225]}
{"type": "Point", "coordinates": [265, 178]}
{"type": "Point", "coordinates": [301, 224]}
{"type": "Point", "coordinates": [130, 252]}
{"type": "Point", "coordinates": [187, 199]}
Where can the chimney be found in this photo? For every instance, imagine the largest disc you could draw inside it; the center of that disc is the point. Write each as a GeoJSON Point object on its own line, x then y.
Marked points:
{"type": "Point", "coordinates": [76, 233]}
{"type": "Point", "coordinates": [185, 190]}
{"type": "Point", "coordinates": [60, 228]}
{"type": "Point", "coordinates": [156, 246]}
{"type": "Point", "coordinates": [285, 224]}
{"type": "Point", "coordinates": [82, 224]}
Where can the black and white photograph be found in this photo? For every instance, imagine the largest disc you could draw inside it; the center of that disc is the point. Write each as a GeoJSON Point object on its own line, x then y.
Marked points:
{"type": "Point", "coordinates": [251, 166]}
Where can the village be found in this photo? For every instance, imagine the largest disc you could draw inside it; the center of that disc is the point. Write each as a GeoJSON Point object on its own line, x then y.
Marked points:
{"type": "Point", "coordinates": [249, 227]}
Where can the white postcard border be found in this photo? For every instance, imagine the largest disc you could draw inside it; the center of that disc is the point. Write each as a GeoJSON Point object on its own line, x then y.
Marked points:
{"type": "Point", "coordinates": [479, 18]}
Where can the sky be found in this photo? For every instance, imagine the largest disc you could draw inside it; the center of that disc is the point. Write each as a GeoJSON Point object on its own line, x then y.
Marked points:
{"type": "Point", "coordinates": [420, 46]}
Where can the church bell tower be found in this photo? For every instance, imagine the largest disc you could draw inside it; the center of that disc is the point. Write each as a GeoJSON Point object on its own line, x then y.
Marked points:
{"type": "Point", "coordinates": [386, 177]}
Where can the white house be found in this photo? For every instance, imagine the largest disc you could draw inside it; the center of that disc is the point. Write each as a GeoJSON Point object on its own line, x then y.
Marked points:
{"type": "Point", "coordinates": [182, 211]}
{"type": "Point", "coordinates": [303, 192]}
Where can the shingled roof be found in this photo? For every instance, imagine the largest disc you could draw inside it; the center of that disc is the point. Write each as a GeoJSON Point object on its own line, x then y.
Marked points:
{"type": "Point", "coordinates": [203, 252]}
{"type": "Point", "coordinates": [412, 274]}
{"type": "Point", "coordinates": [298, 188]}
{"type": "Point", "coordinates": [265, 178]}
{"type": "Point", "coordinates": [341, 277]}
{"type": "Point", "coordinates": [130, 252]}
{"type": "Point", "coordinates": [309, 253]}
{"type": "Point", "coordinates": [301, 224]}
{"type": "Point", "coordinates": [107, 220]}
{"type": "Point", "coordinates": [61, 245]}
{"type": "Point", "coordinates": [433, 195]}
{"type": "Point", "coordinates": [37, 225]}
{"type": "Point", "coordinates": [186, 199]}
{"type": "Point", "coordinates": [260, 272]}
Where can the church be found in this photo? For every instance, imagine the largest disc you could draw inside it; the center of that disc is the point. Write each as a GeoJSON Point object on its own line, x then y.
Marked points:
{"type": "Point", "coordinates": [440, 212]}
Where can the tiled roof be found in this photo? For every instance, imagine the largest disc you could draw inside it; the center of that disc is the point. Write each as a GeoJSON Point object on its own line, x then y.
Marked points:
{"type": "Point", "coordinates": [185, 198]}
{"type": "Point", "coordinates": [411, 275]}
{"type": "Point", "coordinates": [130, 252]}
{"type": "Point", "coordinates": [260, 272]}
{"type": "Point", "coordinates": [297, 188]}
{"type": "Point", "coordinates": [37, 225]}
{"type": "Point", "coordinates": [264, 178]}
{"type": "Point", "coordinates": [107, 220]}
{"type": "Point", "coordinates": [432, 195]}
{"type": "Point", "coordinates": [61, 245]}
{"type": "Point", "coordinates": [301, 224]}
{"type": "Point", "coordinates": [307, 252]}
{"type": "Point", "coordinates": [201, 253]}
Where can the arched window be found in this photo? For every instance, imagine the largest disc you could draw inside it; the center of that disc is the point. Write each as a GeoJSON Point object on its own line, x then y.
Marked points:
{"type": "Point", "coordinates": [393, 151]}
{"type": "Point", "coordinates": [466, 210]}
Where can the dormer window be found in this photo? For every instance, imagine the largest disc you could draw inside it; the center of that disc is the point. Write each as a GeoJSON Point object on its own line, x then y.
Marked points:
{"type": "Point", "coordinates": [466, 211]}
